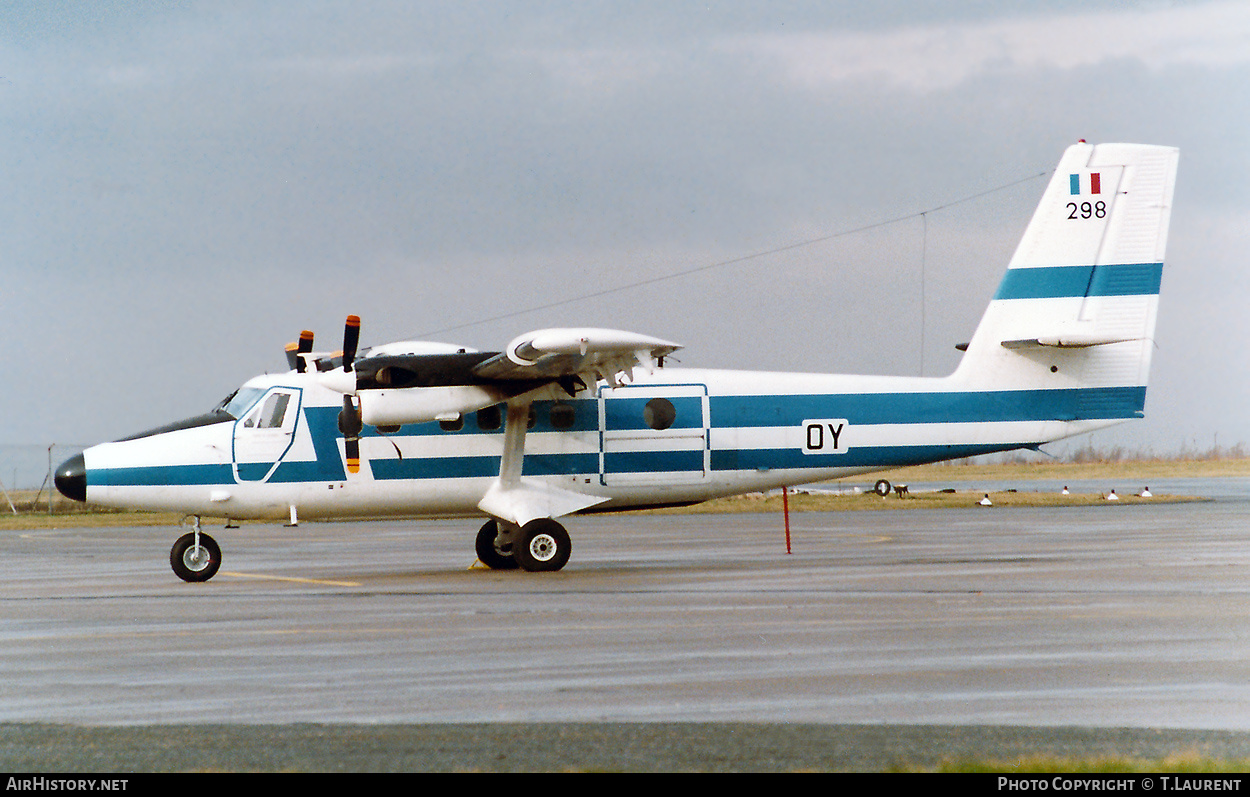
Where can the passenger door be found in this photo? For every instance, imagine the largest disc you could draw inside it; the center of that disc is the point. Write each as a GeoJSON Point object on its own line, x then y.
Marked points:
{"type": "Point", "coordinates": [653, 434]}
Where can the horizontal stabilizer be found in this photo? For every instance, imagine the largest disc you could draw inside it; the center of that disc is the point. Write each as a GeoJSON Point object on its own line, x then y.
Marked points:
{"type": "Point", "coordinates": [1064, 342]}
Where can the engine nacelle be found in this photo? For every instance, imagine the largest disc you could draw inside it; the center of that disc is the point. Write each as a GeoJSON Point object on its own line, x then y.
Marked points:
{"type": "Point", "coordinates": [422, 404]}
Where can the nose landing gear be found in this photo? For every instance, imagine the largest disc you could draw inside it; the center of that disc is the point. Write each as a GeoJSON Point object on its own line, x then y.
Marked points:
{"type": "Point", "coordinates": [195, 556]}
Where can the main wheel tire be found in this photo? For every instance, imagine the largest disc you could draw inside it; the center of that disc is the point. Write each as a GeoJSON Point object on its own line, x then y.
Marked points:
{"type": "Point", "coordinates": [490, 553]}
{"type": "Point", "coordinates": [882, 488]}
{"type": "Point", "coordinates": [542, 546]}
{"type": "Point", "coordinates": [192, 563]}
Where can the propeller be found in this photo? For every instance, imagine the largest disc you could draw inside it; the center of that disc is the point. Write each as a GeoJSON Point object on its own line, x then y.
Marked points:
{"type": "Point", "coordinates": [350, 423]}
{"type": "Point", "coordinates": [295, 351]}
{"type": "Point", "coordinates": [351, 338]}
{"type": "Point", "coordinates": [304, 347]}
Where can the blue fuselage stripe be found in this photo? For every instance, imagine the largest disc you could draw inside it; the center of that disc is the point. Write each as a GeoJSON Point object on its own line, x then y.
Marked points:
{"type": "Point", "coordinates": [726, 413]}
{"type": "Point", "coordinates": [182, 475]}
{"type": "Point", "coordinates": [921, 408]}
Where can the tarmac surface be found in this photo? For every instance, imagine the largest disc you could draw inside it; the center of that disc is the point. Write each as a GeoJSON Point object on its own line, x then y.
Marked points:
{"type": "Point", "coordinates": [668, 642]}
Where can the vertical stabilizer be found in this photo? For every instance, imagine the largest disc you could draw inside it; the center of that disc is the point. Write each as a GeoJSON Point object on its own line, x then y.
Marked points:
{"type": "Point", "coordinates": [1076, 309]}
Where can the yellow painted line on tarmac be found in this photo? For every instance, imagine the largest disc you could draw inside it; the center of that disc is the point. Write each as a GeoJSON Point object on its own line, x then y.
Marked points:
{"type": "Point", "coordinates": [870, 537]}
{"type": "Point", "coordinates": [291, 579]}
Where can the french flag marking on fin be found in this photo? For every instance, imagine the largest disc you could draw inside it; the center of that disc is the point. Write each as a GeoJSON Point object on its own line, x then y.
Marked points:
{"type": "Point", "coordinates": [1095, 183]}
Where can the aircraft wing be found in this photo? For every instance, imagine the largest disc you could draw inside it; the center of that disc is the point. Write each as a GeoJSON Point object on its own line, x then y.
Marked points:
{"type": "Point", "coordinates": [403, 383]}
{"type": "Point", "coordinates": [583, 352]}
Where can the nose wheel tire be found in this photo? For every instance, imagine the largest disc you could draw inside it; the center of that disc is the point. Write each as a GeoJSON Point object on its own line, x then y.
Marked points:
{"type": "Point", "coordinates": [195, 562]}
{"type": "Point", "coordinates": [542, 546]}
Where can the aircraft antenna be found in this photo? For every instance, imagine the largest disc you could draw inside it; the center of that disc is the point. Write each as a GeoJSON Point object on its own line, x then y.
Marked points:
{"type": "Point", "coordinates": [735, 260]}
{"type": "Point", "coordinates": [924, 246]}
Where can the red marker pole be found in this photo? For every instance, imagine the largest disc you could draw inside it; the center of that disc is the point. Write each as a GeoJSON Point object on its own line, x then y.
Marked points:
{"type": "Point", "coordinates": [785, 508]}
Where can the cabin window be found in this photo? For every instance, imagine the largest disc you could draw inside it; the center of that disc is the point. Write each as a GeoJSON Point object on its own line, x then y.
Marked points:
{"type": "Point", "coordinates": [453, 425]}
{"type": "Point", "coordinates": [563, 416]}
{"type": "Point", "coordinates": [659, 414]}
{"type": "Point", "coordinates": [489, 418]}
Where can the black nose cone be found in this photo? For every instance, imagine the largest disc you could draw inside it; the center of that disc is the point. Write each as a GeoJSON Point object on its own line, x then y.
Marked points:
{"type": "Point", "coordinates": [71, 478]}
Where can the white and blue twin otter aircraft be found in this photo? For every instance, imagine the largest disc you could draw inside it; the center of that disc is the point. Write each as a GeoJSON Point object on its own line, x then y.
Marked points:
{"type": "Point", "coordinates": [570, 420]}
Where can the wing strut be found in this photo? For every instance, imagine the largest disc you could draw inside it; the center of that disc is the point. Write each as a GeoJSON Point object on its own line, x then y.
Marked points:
{"type": "Point", "coordinates": [517, 500]}
{"type": "Point", "coordinates": [516, 424]}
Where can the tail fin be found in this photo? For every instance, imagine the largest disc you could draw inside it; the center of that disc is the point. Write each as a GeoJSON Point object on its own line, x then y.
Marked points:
{"type": "Point", "coordinates": [1076, 310]}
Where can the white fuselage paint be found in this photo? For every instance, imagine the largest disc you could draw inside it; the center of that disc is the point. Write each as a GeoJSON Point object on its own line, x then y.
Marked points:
{"type": "Point", "coordinates": [147, 472]}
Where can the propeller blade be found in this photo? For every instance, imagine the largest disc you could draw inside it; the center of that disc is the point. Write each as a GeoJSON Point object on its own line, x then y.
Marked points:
{"type": "Point", "coordinates": [351, 425]}
{"type": "Point", "coordinates": [352, 445]}
{"type": "Point", "coordinates": [351, 338]}
{"type": "Point", "coordinates": [304, 347]}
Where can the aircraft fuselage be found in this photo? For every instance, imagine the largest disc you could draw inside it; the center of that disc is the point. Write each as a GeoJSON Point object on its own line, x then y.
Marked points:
{"type": "Point", "coordinates": [677, 436]}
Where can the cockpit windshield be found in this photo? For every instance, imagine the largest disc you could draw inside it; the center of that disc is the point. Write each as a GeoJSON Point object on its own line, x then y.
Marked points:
{"type": "Point", "coordinates": [240, 401]}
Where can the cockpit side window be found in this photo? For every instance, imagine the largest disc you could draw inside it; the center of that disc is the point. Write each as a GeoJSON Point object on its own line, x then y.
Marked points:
{"type": "Point", "coordinates": [270, 413]}
{"type": "Point", "coordinates": [274, 411]}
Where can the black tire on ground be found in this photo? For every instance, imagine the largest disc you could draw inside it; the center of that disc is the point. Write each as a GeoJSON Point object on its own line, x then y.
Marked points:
{"type": "Point", "coordinates": [490, 554]}
{"type": "Point", "coordinates": [195, 564]}
{"type": "Point", "coordinates": [882, 488]}
{"type": "Point", "coordinates": [542, 546]}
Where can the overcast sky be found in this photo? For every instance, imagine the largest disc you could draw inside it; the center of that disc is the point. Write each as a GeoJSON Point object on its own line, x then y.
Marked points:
{"type": "Point", "coordinates": [188, 185]}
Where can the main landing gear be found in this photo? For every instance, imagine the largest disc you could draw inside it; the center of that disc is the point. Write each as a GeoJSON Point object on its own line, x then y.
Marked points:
{"type": "Point", "coordinates": [541, 545]}
{"type": "Point", "coordinates": [195, 556]}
